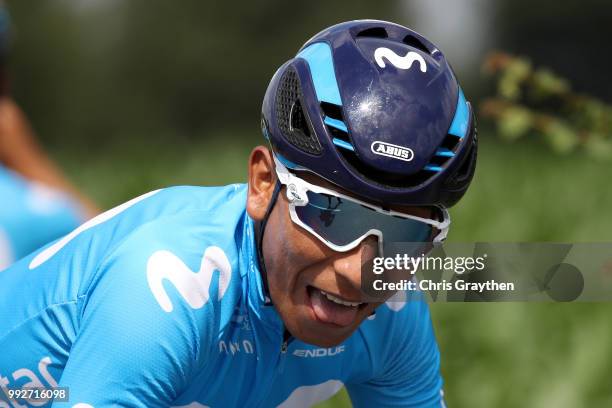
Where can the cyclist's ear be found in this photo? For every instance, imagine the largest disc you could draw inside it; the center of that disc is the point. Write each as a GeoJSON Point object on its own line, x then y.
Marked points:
{"type": "Point", "coordinates": [262, 179]}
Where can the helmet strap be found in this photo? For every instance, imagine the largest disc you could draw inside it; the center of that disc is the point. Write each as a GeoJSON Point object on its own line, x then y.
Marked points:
{"type": "Point", "coordinates": [262, 228]}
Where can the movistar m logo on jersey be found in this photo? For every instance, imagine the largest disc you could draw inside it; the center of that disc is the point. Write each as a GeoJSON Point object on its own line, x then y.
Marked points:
{"type": "Point", "coordinates": [392, 150]}
{"type": "Point", "coordinates": [192, 286]}
{"type": "Point", "coordinates": [404, 62]}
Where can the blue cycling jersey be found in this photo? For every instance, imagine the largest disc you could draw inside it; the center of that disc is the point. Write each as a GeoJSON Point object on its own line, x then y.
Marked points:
{"type": "Point", "coordinates": [31, 215]}
{"type": "Point", "coordinates": [159, 302]}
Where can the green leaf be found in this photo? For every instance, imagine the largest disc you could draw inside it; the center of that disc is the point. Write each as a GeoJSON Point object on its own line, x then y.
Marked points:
{"type": "Point", "coordinates": [561, 137]}
{"type": "Point", "coordinates": [514, 75]}
{"type": "Point", "coordinates": [514, 123]}
{"type": "Point", "coordinates": [546, 83]}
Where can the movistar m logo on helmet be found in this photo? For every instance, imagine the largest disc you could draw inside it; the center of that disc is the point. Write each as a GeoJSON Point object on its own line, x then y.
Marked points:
{"type": "Point", "coordinates": [392, 150]}
{"type": "Point", "coordinates": [404, 62]}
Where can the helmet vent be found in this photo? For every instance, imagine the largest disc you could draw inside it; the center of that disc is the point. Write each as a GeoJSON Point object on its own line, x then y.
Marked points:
{"type": "Point", "coordinates": [376, 32]}
{"type": "Point", "coordinates": [338, 134]}
{"type": "Point", "coordinates": [415, 43]}
{"type": "Point", "coordinates": [290, 116]}
{"type": "Point", "coordinates": [334, 121]}
{"type": "Point", "coordinates": [297, 121]}
{"type": "Point", "coordinates": [466, 169]}
{"type": "Point", "coordinates": [446, 151]}
{"type": "Point", "coordinates": [332, 110]}
{"type": "Point", "coordinates": [450, 142]}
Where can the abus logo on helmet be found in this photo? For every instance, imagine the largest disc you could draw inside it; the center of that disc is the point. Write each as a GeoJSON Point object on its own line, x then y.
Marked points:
{"type": "Point", "coordinates": [391, 150]}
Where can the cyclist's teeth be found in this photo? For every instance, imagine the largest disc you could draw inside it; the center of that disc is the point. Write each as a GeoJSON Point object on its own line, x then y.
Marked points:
{"type": "Point", "coordinates": [340, 301]}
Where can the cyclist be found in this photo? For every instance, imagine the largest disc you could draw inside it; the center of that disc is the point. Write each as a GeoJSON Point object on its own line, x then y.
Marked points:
{"type": "Point", "coordinates": [250, 295]}
{"type": "Point", "coordinates": [37, 204]}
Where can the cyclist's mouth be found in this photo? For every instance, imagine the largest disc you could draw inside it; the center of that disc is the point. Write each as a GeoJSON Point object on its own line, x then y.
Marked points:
{"type": "Point", "coordinates": [332, 309]}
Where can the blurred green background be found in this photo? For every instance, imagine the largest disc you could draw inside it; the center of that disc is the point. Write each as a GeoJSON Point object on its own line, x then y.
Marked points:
{"type": "Point", "coordinates": [132, 95]}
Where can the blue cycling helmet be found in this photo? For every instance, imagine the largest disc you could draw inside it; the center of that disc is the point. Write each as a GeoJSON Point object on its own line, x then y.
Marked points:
{"type": "Point", "coordinates": [375, 108]}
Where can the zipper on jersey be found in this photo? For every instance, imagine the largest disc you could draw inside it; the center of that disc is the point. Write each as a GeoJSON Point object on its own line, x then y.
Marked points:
{"type": "Point", "coordinates": [284, 346]}
{"type": "Point", "coordinates": [287, 338]}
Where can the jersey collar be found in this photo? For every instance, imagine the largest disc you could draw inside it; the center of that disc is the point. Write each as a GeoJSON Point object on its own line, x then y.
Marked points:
{"type": "Point", "coordinates": [256, 297]}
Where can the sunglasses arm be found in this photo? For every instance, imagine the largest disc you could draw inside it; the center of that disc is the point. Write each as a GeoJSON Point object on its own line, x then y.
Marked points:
{"type": "Point", "coordinates": [296, 191]}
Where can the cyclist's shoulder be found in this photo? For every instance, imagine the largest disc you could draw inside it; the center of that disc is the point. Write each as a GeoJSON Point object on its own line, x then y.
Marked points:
{"type": "Point", "coordinates": [172, 202]}
{"type": "Point", "coordinates": [203, 198]}
{"type": "Point", "coordinates": [181, 225]}
{"type": "Point", "coordinates": [184, 231]}
{"type": "Point", "coordinates": [148, 216]}
{"type": "Point", "coordinates": [185, 218]}
{"type": "Point", "coordinates": [177, 218]}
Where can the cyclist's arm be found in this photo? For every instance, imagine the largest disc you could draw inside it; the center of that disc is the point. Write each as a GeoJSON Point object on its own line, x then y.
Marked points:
{"type": "Point", "coordinates": [32, 215]}
{"type": "Point", "coordinates": [410, 374]}
{"type": "Point", "coordinates": [20, 151]}
{"type": "Point", "coordinates": [128, 351]}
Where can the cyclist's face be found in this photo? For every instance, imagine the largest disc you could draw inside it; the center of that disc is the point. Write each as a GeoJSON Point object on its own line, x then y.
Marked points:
{"type": "Point", "coordinates": [307, 280]}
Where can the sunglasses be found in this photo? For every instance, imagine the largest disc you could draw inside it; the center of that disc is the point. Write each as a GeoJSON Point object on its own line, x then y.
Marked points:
{"type": "Point", "coordinates": [342, 222]}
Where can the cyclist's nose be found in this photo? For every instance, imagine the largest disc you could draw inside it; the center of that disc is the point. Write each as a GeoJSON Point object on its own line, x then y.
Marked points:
{"type": "Point", "coordinates": [348, 264]}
